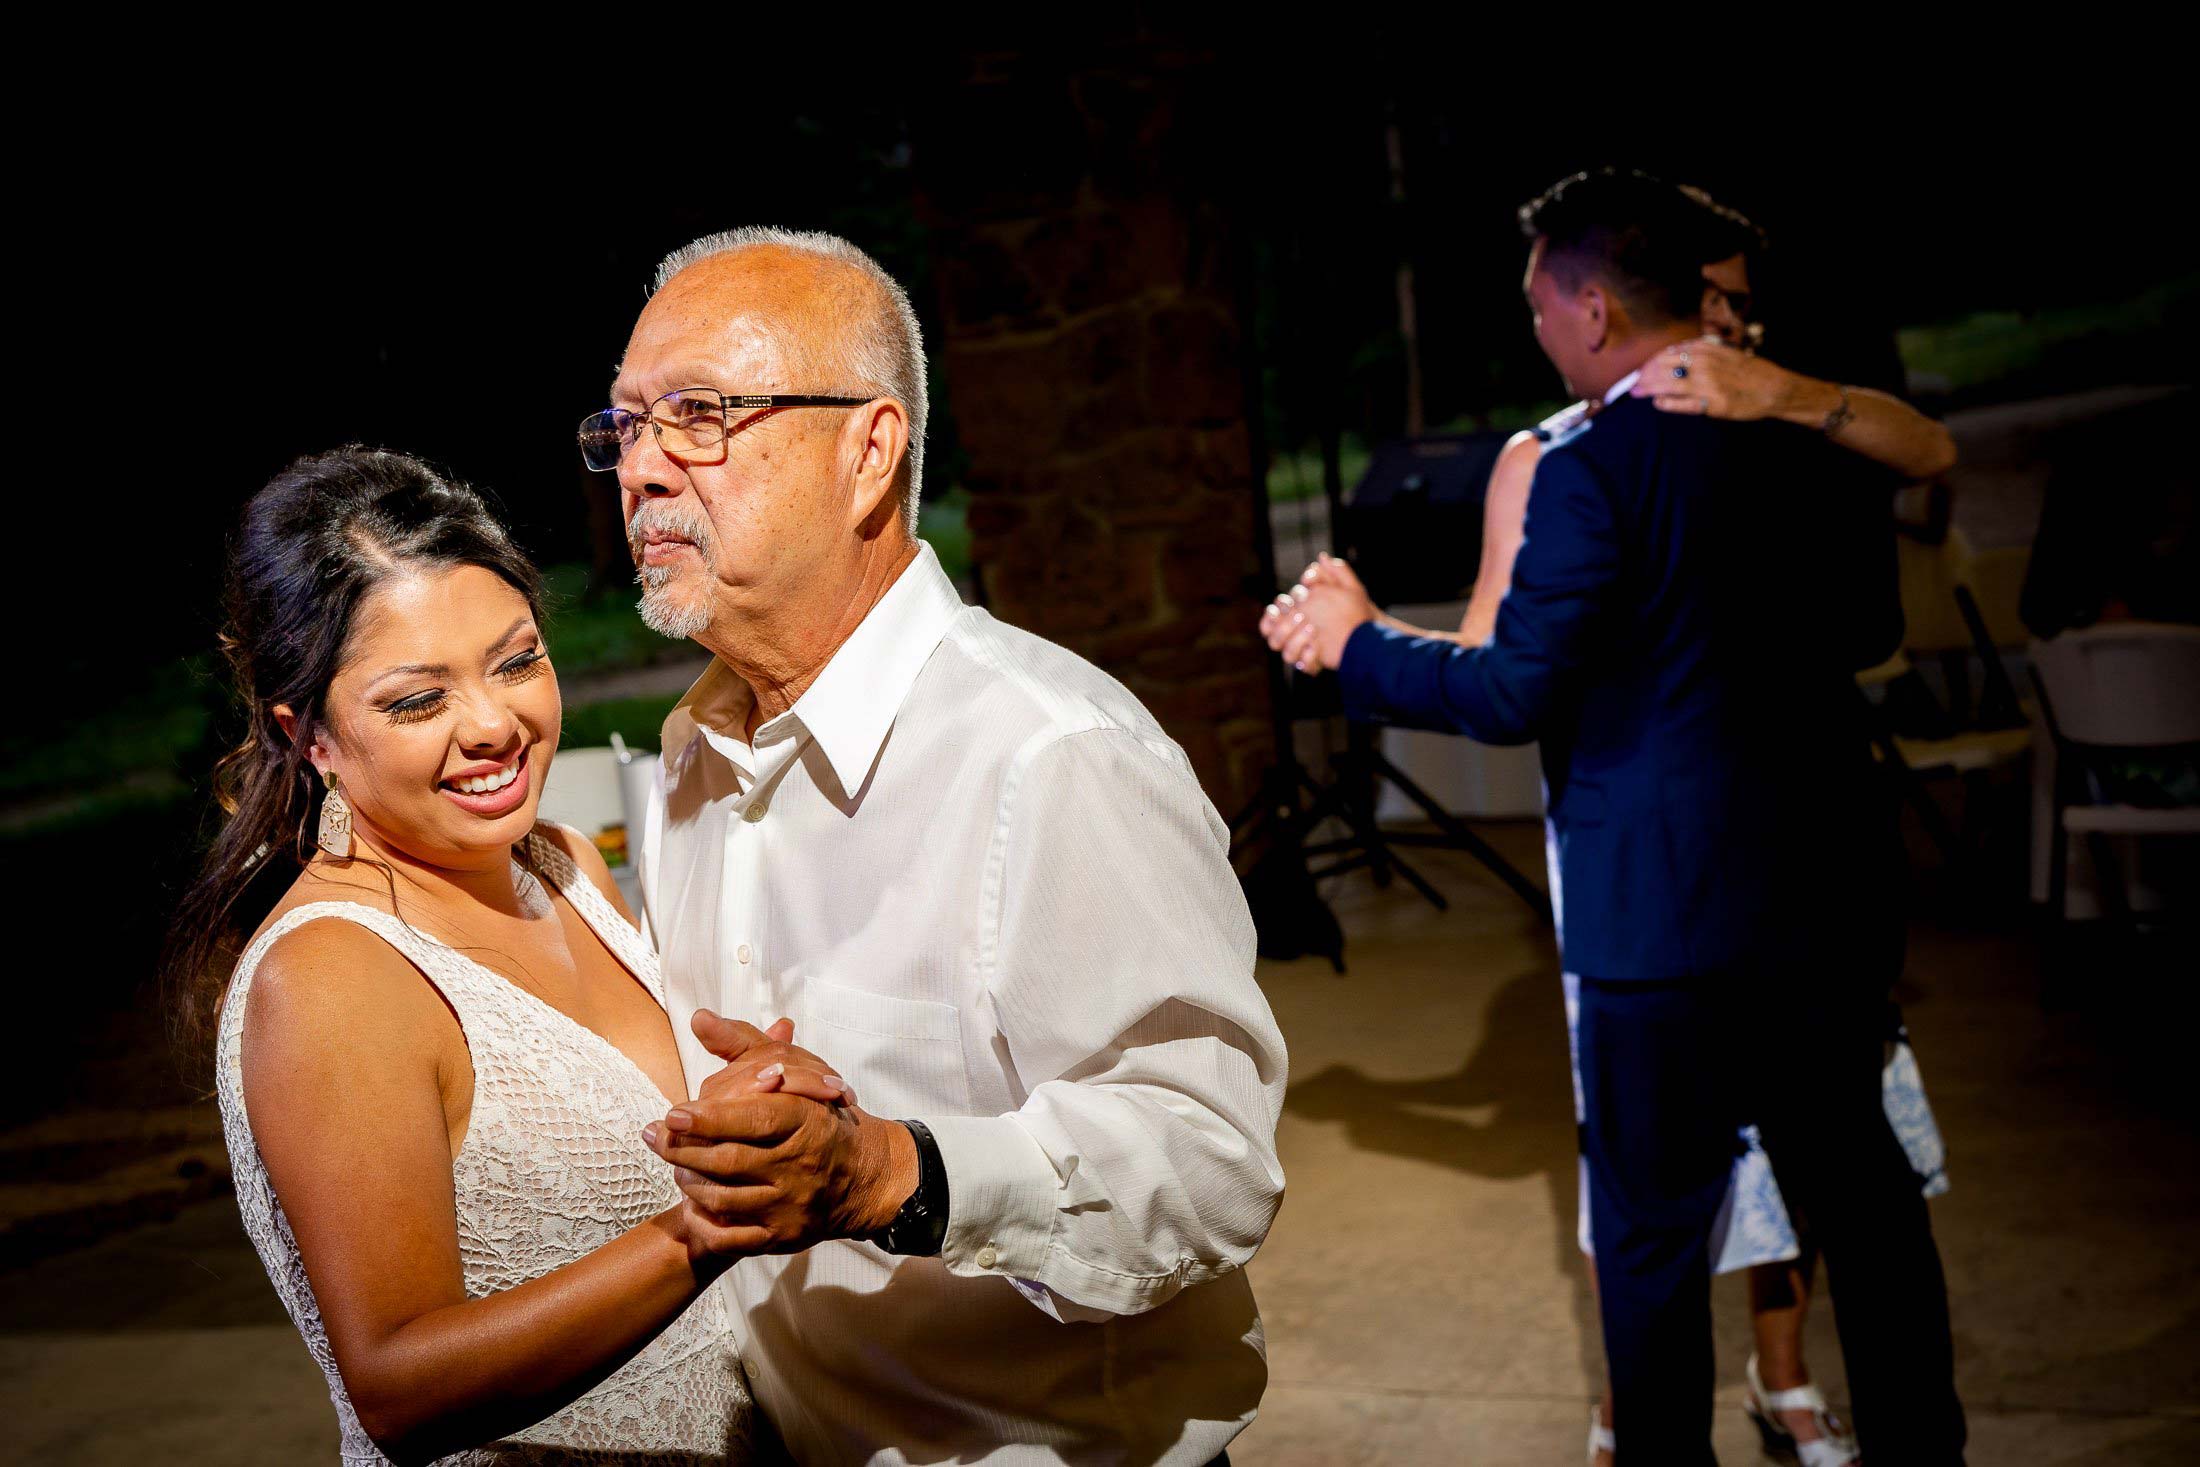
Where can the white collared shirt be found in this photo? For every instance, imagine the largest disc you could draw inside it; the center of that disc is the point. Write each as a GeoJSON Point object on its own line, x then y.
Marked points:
{"type": "Point", "coordinates": [988, 890]}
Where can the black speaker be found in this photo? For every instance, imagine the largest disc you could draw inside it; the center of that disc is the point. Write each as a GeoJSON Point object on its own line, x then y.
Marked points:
{"type": "Point", "coordinates": [1412, 527]}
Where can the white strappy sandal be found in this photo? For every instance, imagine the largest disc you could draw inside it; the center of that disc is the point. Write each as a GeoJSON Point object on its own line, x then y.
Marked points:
{"type": "Point", "coordinates": [1834, 1447]}
{"type": "Point", "coordinates": [1600, 1435]}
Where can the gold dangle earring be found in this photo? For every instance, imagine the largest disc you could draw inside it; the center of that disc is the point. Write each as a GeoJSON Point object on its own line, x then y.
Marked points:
{"type": "Point", "coordinates": [335, 836]}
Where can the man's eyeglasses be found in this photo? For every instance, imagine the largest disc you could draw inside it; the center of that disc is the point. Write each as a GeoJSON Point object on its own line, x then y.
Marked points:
{"type": "Point", "coordinates": [686, 421]}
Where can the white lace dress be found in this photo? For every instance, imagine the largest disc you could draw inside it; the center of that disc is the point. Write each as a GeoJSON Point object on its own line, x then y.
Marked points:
{"type": "Point", "coordinates": [552, 1167]}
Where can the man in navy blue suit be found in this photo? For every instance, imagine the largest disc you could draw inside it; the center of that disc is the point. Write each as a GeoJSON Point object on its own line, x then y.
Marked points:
{"type": "Point", "coordinates": [1685, 615]}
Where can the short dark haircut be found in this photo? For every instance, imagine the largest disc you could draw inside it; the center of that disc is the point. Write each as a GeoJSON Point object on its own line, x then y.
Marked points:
{"type": "Point", "coordinates": [1640, 237]}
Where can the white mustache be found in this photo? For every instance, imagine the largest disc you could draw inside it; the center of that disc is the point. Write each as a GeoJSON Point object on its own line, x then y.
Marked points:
{"type": "Point", "coordinates": [680, 519]}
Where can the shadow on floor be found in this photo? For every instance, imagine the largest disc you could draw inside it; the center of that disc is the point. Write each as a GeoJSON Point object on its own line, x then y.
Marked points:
{"type": "Point", "coordinates": [1527, 1090]}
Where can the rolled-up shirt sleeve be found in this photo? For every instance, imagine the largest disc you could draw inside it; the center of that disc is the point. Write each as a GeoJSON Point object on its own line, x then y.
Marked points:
{"type": "Point", "coordinates": [1120, 973]}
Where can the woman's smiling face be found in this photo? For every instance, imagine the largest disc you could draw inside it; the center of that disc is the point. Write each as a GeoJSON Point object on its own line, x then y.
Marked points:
{"type": "Point", "coordinates": [442, 720]}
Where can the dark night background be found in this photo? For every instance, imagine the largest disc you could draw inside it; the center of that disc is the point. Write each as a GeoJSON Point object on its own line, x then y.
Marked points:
{"type": "Point", "coordinates": [465, 295]}
{"type": "Point", "coordinates": [1156, 255]}
{"type": "Point", "coordinates": [255, 275]}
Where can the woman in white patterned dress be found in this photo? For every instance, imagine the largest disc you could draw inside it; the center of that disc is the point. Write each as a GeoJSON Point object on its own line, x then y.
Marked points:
{"type": "Point", "coordinates": [437, 1056]}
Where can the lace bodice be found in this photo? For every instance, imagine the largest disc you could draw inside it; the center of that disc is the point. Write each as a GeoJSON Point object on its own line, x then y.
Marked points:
{"type": "Point", "coordinates": [552, 1167]}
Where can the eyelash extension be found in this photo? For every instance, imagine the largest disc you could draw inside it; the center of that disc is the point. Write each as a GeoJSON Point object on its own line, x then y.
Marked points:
{"type": "Point", "coordinates": [524, 666]}
{"type": "Point", "coordinates": [518, 669]}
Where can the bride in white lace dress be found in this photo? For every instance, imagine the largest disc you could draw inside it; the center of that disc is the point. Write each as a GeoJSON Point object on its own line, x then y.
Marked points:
{"type": "Point", "coordinates": [436, 1057]}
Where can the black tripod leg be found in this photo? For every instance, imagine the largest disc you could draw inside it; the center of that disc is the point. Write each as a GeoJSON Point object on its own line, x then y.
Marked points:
{"type": "Point", "coordinates": [1381, 857]}
{"type": "Point", "coordinates": [1464, 838]}
{"type": "Point", "coordinates": [1375, 850]}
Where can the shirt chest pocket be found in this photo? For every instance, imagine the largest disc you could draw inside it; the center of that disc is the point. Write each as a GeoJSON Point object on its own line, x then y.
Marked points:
{"type": "Point", "coordinates": [903, 1055]}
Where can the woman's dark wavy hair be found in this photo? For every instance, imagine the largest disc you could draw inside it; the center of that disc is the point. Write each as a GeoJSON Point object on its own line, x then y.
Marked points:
{"type": "Point", "coordinates": [324, 533]}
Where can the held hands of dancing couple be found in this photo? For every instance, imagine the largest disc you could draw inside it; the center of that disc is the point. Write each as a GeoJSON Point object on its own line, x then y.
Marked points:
{"type": "Point", "coordinates": [1310, 623]}
{"type": "Point", "coordinates": [774, 1154]}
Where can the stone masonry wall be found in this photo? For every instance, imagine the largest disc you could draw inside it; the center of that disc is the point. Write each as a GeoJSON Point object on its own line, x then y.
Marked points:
{"type": "Point", "coordinates": [1092, 361]}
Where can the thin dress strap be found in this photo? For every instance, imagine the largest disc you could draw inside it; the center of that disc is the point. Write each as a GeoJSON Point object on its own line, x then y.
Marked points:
{"type": "Point", "coordinates": [611, 927]}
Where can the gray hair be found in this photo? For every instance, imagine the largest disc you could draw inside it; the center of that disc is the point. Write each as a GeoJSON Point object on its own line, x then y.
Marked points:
{"type": "Point", "coordinates": [880, 352]}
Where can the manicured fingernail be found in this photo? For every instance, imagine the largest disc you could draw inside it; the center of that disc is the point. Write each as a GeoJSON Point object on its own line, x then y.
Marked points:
{"type": "Point", "coordinates": [771, 1072]}
{"type": "Point", "coordinates": [679, 1120]}
{"type": "Point", "coordinates": [835, 1084]}
{"type": "Point", "coordinates": [649, 1133]}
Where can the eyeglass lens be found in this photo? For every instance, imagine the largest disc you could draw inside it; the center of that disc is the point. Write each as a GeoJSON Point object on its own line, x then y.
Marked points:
{"type": "Point", "coordinates": [685, 421]}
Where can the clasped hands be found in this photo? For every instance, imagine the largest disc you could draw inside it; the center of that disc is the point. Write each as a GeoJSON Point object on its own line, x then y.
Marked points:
{"type": "Point", "coordinates": [1310, 623]}
{"type": "Point", "coordinates": [774, 1154]}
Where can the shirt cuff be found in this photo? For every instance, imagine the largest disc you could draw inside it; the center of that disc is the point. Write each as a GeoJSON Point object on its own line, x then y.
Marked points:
{"type": "Point", "coordinates": [1001, 1194]}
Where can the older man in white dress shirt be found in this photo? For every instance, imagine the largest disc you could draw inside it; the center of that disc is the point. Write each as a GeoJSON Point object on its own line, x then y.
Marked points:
{"type": "Point", "coordinates": [986, 888]}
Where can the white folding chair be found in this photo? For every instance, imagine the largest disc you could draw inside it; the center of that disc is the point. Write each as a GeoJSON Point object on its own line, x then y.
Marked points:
{"type": "Point", "coordinates": [2118, 689]}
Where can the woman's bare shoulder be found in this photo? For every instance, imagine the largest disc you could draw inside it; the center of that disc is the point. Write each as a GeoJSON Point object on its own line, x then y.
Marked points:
{"type": "Point", "coordinates": [351, 882]}
{"type": "Point", "coordinates": [1521, 450]}
{"type": "Point", "coordinates": [1506, 497]}
{"type": "Point", "coordinates": [333, 976]}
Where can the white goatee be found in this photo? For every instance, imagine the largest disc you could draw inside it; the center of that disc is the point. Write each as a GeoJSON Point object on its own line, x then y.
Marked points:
{"type": "Point", "coordinates": [675, 599]}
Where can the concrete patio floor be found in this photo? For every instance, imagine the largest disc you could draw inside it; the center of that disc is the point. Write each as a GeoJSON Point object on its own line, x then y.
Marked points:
{"type": "Point", "coordinates": [1423, 1298]}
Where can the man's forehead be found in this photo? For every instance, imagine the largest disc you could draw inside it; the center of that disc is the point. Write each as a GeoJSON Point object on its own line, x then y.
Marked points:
{"type": "Point", "coordinates": [691, 348]}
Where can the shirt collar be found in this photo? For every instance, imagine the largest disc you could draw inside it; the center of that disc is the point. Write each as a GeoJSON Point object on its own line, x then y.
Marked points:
{"type": "Point", "coordinates": [1620, 388]}
{"type": "Point", "coordinates": [850, 707]}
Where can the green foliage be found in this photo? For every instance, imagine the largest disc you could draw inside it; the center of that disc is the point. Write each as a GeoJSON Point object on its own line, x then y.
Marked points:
{"type": "Point", "coordinates": [637, 720]}
{"type": "Point", "coordinates": [590, 631]}
{"type": "Point", "coordinates": [160, 724]}
{"type": "Point", "coordinates": [1297, 474]}
{"type": "Point", "coordinates": [1995, 355]}
{"type": "Point", "coordinates": [943, 523]}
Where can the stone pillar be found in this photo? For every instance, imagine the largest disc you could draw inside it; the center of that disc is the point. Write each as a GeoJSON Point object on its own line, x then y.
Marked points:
{"type": "Point", "coordinates": [1091, 355]}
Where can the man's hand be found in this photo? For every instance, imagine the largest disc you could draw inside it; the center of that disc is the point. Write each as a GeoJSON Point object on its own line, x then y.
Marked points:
{"type": "Point", "coordinates": [1720, 381]}
{"type": "Point", "coordinates": [774, 1154]}
{"type": "Point", "coordinates": [776, 1173]}
{"type": "Point", "coordinates": [1309, 625]}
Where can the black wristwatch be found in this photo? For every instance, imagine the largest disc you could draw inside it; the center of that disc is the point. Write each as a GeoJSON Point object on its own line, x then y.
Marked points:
{"type": "Point", "coordinates": [920, 1228]}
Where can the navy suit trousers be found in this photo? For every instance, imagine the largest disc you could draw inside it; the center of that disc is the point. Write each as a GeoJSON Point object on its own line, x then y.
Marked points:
{"type": "Point", "coordinates": [1668, 1071]}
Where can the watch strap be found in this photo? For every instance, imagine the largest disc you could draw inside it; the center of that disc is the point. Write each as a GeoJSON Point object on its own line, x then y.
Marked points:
{"type": "Point", "coordinates": [919, 1230]}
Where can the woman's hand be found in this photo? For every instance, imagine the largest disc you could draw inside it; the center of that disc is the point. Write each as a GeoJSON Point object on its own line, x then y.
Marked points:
{"type": "Point", "coordinates": [1708, 378]}
{"type": "Point", "coordinates": [766, 1061]}
{"type": "Point", "coordinates": [1309, 624]}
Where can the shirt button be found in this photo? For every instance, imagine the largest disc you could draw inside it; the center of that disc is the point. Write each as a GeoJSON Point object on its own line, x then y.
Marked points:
{"type": "Point", "coordinates": [742, 952]}
{"type": "Point", "coordinates": [755, 812]}
{"type": "Point", "coordinates": [988, 1256]}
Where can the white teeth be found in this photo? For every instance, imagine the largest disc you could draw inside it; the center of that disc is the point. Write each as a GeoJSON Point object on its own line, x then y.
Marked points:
{"type": "Point", "coordinates": [488, 783]}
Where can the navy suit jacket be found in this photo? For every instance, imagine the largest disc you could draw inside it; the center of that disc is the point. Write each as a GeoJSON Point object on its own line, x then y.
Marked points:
{"type": "Point", "coordinates": [1685, 616]}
